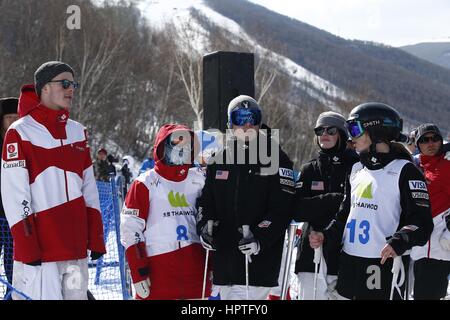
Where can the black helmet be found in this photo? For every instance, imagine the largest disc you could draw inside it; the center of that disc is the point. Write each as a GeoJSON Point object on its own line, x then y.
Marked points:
{"type": "Point", "coordinates": [382, 122]}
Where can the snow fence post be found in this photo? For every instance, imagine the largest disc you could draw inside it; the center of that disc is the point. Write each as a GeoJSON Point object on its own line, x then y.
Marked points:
{"type": "Point", "coordinates": [120, 249]}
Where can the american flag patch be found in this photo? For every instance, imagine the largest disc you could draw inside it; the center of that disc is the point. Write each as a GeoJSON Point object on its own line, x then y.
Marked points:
{"type": "Point", "coordinates": [317, 185]}
{"type": "Point", "coordinates": [222, 175]}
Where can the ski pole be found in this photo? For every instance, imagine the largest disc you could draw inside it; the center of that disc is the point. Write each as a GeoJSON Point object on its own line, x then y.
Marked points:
{"type": "Point", "coordinates": [304, 226]}
{"type": "Point", "coordinates": [317, 259]}
{"type": "Point", "coordinates": [246, 233]}
{"type": "Point", "coordinates": [288, 258]}
{"type": "Point", "coordinates": [210, 224]}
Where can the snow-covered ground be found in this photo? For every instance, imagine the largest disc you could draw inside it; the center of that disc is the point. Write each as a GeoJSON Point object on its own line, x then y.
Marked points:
{"type": "Point", "coordinates": [109, 285]}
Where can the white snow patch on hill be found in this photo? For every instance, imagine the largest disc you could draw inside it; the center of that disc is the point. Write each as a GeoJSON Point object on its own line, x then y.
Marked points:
{"type": "Point", "coordinates": [159, 13]}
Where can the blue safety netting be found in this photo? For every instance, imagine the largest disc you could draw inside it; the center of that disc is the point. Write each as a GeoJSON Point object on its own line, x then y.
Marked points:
{"type": "Point", "coordinates": [107, 275]}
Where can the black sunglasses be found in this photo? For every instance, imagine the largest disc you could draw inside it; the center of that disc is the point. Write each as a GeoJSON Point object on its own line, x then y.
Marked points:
{"type": "Point", "coordinates": [67, 83]}
{"type": "Point", "coordinates": [330, 131]}
{"type": "Point", "coordinates": [434, 138]}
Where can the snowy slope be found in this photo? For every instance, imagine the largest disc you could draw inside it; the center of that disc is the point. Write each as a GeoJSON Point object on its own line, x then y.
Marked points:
{"type": "Point", "coordinates": [159, 13]}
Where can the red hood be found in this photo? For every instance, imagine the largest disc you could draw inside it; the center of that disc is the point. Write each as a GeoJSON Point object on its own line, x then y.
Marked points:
{"type": "Point", "coordinates": [54, 120]}
{"type": "Point", "coordinates": [28, 100]}
{"type": "Point", "coordinates": [173, 173]}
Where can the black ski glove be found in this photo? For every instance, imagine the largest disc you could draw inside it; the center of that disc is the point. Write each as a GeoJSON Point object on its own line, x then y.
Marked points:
{"type": "Point", "coordinates": [34, 263]}
{"type": "Point", "coordinates": [400, 240]}
{"type": "Point", "coordinates": [96, 255]}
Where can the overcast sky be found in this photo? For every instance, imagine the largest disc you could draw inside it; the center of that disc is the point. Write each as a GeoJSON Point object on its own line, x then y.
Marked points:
{"type": "Point", "coordinates": [392, 22]}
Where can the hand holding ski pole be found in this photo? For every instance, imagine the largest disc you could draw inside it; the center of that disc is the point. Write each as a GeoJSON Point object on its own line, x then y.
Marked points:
{"type": "Point", "coordinates": [206, 236]}
{"type": "Point", "coordinates": [316, 239]}
{"type": "Point", "coordinates": [248, 244]}
{"type": "Point", "coordinates": [142, 288]}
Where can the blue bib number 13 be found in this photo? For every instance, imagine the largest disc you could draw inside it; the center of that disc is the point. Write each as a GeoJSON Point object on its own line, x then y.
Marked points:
{"type": "Point", "coordinates": [364, 227]}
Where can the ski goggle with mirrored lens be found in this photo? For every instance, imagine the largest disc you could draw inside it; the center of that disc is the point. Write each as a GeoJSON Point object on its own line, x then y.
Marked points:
{"type": "Point", "coordinates": [355, 129]}
{"type": "Point", "coordinates": [241, 116]}
{"type": "Point", "coordinates": [321, 130]}
{"type": "Point", "coordinates": [179, 139]}
{"type": "Point", "coordinates": [67, 83]}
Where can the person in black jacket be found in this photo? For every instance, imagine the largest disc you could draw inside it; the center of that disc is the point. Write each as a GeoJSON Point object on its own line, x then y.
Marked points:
{"type": "Point", "coordinates": [243, 188]}
{"type": "Point", "coordinates": [241, 192]}
{"type": "Point", "coordinates": [101, 166]}
{"type": "Point", "coordinates": [386, 210]}
{"type": "Point", "coordinates": [8, 114]}
{"type": "Point", "coordinates": [324, 174]}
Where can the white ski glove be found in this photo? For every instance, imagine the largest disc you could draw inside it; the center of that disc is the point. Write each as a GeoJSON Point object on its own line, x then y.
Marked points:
{"type": "Point", "coordinates": [249, 245]}
{"type": "Point", "coordinates": [445, 240]}
{"type": "Point", "coordinates": [206, 238]}
{"type": "Point", "coordinates": [142, 288]}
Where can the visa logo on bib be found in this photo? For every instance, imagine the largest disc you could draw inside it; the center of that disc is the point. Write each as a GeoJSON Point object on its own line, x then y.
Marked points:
{"type": "Point", "coordinates": [417, 185]}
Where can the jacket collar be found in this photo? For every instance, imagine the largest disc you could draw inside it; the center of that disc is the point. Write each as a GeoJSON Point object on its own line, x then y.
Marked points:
{"type": "Point", "coordinates": [430, 161]}
{"type": "Point", "coordinates": [54, 120]}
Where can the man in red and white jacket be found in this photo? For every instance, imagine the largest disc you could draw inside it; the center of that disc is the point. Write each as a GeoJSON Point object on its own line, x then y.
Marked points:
{"type": "Point", "coordinates": [49, 191]}
{"type": "Point", "coordinates": [432, 261]}
{"type": "Point", "coordinates": [158, 222]}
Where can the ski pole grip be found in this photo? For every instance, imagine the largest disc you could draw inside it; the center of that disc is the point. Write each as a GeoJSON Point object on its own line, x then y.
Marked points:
{"type": "Point", "coordinates": [317, 254]}
{"type": "Point", "coordinates": [246, 231]}
{"type": "Point", "coordinates": [210, 227]}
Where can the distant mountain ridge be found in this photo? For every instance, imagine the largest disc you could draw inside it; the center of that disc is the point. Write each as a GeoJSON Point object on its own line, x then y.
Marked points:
{"type": "Point", "coordinates": [363, 69]}
{"type": "Point", "coordinates": [434, 52]}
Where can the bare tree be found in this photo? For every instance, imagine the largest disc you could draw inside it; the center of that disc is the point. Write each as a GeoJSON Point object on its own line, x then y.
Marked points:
{"type": "Point", "coordinates": [189, 65]}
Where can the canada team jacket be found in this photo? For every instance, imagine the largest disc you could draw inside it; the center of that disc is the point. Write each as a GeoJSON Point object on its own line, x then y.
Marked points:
{"type": "Point", "coordinates": [48, 187]}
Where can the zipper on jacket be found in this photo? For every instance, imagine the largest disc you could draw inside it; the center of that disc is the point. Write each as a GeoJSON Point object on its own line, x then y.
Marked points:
{"type": "Point", "coordinates": [65, 179]}
{"type": "Point", "coordinates": [236, 195]}
{"type": "Point", "coordinates": [235, 209]}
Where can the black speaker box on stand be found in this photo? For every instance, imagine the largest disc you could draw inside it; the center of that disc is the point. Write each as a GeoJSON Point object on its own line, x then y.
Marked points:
{"type": "Point", "coordinates": [226, 75]}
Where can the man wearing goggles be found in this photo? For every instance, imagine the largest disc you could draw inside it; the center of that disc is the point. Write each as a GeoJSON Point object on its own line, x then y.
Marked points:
{"type": "Point", "coordinates": [246, 208]}
{"type": "Point", "coordinates": [245, 119]}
